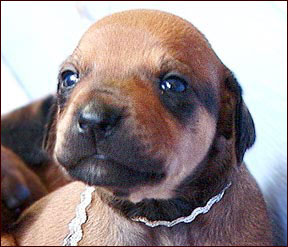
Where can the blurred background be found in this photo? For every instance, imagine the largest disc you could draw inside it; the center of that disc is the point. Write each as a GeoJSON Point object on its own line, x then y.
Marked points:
{"type": "Point", "coordinates": [249, 37]}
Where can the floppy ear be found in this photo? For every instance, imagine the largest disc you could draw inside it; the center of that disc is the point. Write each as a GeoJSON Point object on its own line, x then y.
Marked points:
{"type": "Point", "coordinates": [235, 119]}
{"type": "Point", "coordinates": [22, 130]}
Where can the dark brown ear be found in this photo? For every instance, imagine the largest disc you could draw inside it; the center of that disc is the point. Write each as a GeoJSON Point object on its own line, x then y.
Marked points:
{"type": "Point", "coordinates": [22, 130]}
{"type": "Point", "coordinates": [235, 119]}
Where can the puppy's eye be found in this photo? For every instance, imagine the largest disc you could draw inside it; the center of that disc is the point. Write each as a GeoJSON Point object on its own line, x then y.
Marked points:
{"type": "Point", "coordinates": [174, 84]}
{"type": "Point", "coordinates": [69, 78]}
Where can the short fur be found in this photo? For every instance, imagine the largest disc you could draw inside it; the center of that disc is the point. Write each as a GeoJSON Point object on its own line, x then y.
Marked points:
{"type": "Point", "coordinates": [153, 153]}
{"type": "Point", "coordinates": [20, 187]}
{"type": "Point", "coordinates": [25, 166]}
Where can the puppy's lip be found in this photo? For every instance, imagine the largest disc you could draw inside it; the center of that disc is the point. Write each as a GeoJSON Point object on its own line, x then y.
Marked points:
{"type": "Point", "coordinates": [68, 164]}
{"type": "Point", "coordinates": [93, 159]}
{"type": "Point", "coordinates": [98, 170]}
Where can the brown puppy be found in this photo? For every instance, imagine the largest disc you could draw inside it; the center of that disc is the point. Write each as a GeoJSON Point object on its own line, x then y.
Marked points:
{"type": "Point", "coordinates": [148, 114]}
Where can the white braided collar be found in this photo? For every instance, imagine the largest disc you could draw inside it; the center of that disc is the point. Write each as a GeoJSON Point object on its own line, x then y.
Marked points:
{"type": "Point", "coordinates": [184, 219]}
{"type": "Point", "coordinates": [75, 226]}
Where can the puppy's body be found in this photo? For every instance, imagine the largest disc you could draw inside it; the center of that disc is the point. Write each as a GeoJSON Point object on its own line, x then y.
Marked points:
{"type": "Point", "coordinates": [231, 222]}
{"type": "Point", "coordinates": [148, 114]}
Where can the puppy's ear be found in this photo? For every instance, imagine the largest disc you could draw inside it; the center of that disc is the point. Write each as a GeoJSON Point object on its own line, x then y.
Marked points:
{"type": "Point", "coordinates": [22, 130]}
{"type": "Point", "coordinates": [49, 131]}
{"type": "Point", "coordinates": [235, 120]}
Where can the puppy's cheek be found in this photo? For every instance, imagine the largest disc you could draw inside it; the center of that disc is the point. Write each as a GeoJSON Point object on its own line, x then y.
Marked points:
{"type": "Point", "coordinates": [192, 146]}
{"type": "Point", "coordinates": [180, 106]}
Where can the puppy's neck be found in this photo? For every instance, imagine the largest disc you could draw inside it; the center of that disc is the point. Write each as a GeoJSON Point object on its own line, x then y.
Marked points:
{"type": "Point", "coordinates": [137, 211]}
{"type": "Point", "coordinates": [194, 192]}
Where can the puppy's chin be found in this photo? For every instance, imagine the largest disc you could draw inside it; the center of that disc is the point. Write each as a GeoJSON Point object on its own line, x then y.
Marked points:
{"type": "Point", "coordinates": [111, 174]}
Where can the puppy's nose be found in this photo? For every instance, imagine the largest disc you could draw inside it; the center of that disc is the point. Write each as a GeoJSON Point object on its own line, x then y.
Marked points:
{"type": "Point", "coordinates": [98, 119]}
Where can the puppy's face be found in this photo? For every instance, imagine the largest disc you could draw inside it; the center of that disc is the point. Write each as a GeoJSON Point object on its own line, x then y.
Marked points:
{"type": "Point", "coordinates": [139, 102]}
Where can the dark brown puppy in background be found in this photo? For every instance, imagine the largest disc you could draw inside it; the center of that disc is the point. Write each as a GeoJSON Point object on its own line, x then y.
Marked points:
{"type": "Point", "coordinates": [20, 187]}
{"type": "Point", "coordinates": [148, 113]}
{"type": "Point", "coordinates": [27, 172]}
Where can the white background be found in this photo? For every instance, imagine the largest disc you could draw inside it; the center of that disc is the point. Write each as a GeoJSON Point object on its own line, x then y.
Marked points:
{"type": "Point", "coordinates": [249, 37]}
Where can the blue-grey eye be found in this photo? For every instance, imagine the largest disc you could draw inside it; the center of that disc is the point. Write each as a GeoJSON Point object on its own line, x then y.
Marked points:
{"type": "Point", "coordinates": [69, 78]}
{"type": "Point", "coordinates": [173, 84]}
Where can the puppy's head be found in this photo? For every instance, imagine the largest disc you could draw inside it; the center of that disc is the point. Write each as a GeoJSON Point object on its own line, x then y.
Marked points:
{"type": "Point", "coordinates": [141, 102]}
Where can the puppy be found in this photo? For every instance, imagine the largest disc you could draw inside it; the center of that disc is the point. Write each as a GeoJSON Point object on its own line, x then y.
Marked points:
{"type": "Point", "coordinates": [27, 172]}
{"type": "Point", "coordinates": [20, 187]}
{"type": "Point", "coordinates": [148, 115]}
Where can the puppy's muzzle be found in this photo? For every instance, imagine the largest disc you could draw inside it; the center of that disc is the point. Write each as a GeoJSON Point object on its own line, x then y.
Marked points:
{"type": "Point", "coordinates": [99, 142]}
{"type": "Point", "coordinates": [99, 119]}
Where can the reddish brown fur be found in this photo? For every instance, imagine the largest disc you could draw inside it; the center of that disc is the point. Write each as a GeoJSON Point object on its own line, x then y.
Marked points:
{"type": "Point", "coordinates": [139, 42]}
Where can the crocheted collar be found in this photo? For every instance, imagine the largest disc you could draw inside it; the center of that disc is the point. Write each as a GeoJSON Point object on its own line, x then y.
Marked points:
{"type": "Point", "coordinates": [75, 226]}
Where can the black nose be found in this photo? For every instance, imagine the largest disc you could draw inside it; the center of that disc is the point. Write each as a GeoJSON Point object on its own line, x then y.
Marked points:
{"type": "Point", "coordinates": [99, 120]}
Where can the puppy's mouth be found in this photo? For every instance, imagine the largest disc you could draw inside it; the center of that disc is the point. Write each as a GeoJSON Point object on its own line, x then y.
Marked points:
{"type": "Point", "coordinates": [100, 170]}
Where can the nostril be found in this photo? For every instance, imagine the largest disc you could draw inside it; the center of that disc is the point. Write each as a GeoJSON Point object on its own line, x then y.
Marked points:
{"type": "Point", "coordinates": [83, 127]}
{"type": "Point", "coordinates": [84, 123]}
{"type": "Point", "coordinates": [104, 126]}
{"type": "Point", "coordinates": [109, 121]}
